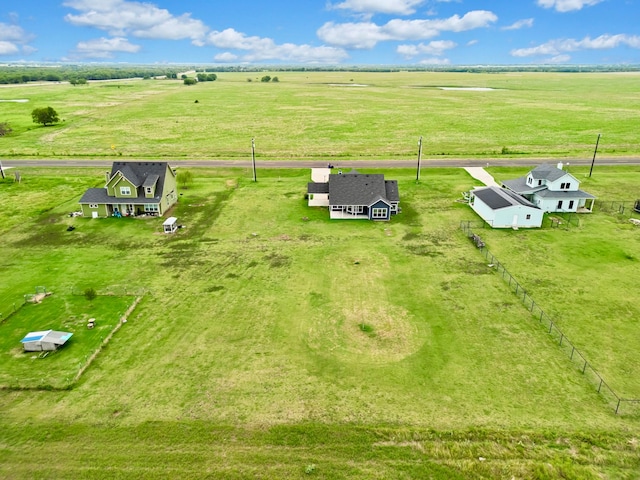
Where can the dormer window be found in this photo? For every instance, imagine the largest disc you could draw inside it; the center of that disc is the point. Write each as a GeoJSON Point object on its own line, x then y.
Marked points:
{"type": "Point", "coordinates": [125, 191]}
{"type": "Point", "coordinates": [565, 186]}
{"type": "Point", "coordinates": [148, 191]}
{"type": "Point", "coordinates": [539, 182]}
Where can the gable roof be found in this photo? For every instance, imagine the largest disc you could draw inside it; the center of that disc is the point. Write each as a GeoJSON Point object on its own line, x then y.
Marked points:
{"type": "Point", "coordinates": [140, 173]}
{"type": "Point", "coordinates": [548, 172]}
{"type": "Point", "coordinates": [144, 174]}
{"type": "Point", "coordinates": [497, 198]}
{"type": "Point", "coordinates": [361, 189]}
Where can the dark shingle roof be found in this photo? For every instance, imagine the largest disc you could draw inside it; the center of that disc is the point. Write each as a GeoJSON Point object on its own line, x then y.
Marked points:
{"type": "Point", "coordinates": [313, 187]}
{"type": "Point", "coordinates": [96, 195]}
{"type": "Point", "coordinates": [391, 188]}
{"type": "Point", "coordinates": [356, 188]}
{"type": "Point", "coordinates": [138, 173]}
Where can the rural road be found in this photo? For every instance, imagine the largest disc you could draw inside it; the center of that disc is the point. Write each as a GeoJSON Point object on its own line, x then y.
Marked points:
{"type": "Point", "coordinates": [425, 163]}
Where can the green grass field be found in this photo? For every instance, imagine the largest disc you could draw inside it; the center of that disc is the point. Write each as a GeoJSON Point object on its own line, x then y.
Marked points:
{"type": "Point", "coordinates": [274, 343]}
{"type": "Point", "coordinates": [323, 116]}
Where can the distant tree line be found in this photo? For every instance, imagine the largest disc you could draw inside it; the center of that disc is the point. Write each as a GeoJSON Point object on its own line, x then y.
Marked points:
{"type": "Point", "coordinates": [78, 75]}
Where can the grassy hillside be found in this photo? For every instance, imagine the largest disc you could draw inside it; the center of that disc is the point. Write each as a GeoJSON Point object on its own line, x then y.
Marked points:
{"type": "Point", "coordinates": [275, 343]}
{"type": "Point", "coordinates": [332, 115]}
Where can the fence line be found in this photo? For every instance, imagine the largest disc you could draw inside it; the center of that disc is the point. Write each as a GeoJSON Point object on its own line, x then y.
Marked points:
{"type": "Point", "coordinates": [576, 357]}
{"type": "Point", "coordinates": [105, 341]}
{"type": "Point", "coordinates": [5, 316]}
{"type": "Point", "coordinates": [621, 207]}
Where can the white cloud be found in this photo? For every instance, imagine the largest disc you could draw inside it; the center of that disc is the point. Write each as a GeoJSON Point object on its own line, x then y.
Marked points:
{"type": "Point", "coordinates": [567, 5]}
{"type": "Point", "coordinates": [105, 47]}
{"type": "Point", "coordinates": [437, 48]}
{"type": "Point", "coordinates": [262, 49]}
{"type": "Point", "coordinates": [226, 57]}
{"type": "Point", "coordinates": [525, 23]}
{"type": "Point", "coordinates": [8, 48]}
{"type": "Point", "coordinates": [557, 47]}
{"type": "Point", "coordinates": [13, 40]}
{"type": "Point", "coordinates": [144, 20]}
{"type": "Point", "coordinates": [397, 7]}
{"type": "Point", "coordinates": [560, 59]}
{"type": "Point", "coordinates": [368, 34]}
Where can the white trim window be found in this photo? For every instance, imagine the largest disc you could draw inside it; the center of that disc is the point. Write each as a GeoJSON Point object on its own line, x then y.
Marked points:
{"type": "Point", "coordinates": [93, 205]}
{"type": "Point", "coordinates": [151, 207]}
{"type": "Point", "coordinates": [125, 191]}
{"type": "Point", "coordinates": [378, 213]}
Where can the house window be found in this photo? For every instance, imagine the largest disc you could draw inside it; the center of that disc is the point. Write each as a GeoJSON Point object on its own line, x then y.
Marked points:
{"type": "Point", "coordinates": [354, 209]}
{"type": "Point", "coordinates": [559, 205]}
{"type": "Point", "coordinates": [570, 204]}
{"type": "Point", "coordinates": [148, 190]}
{"type": "Point", "coordinates": [125, 191]}
{"type": "Point", "coordinates": [378, 213]}
{"type": "Point", "coordinates": [93, 205]}
{"type": "Point", "coordinates": [568, 186]}
{"type": "Point", "coordinates": [151, 207]}
{"type": "Point", "coordinates": [529, 181]}
{"type": "Point", "coordinates": [539, 182]}
{"type": "Point", "coordinates": [528, 216]}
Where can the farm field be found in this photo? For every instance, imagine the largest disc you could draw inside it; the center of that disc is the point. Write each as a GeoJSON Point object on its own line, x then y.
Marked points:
{"type": "Point", "coordinates": [332, 116]}
{"type": "Point", "coordinates": [274, 343]}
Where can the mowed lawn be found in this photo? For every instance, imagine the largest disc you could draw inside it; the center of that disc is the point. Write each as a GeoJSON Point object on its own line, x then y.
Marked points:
{"type": "Point", "coordinates": [332, 116]}
{"type": "Point", "coordinates": [271, 330]}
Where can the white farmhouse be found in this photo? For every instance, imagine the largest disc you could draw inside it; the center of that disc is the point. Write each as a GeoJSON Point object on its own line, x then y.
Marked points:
{"type": "Point", "coordinates": [552, 189]}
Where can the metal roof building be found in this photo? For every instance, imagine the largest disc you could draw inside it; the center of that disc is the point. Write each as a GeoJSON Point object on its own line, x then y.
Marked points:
{"type": "Point", "coordinates": [502, 208]}
{"type": "Point", "coordinates": [44, 340]}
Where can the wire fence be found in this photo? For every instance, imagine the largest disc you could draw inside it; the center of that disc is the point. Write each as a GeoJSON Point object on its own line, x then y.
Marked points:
{"type": "Point", "coordinates": [627, 208]}
{"type": "Point", "coordinates": [10, 310]}
{"type": "Point", "coordinates": [619, 403]}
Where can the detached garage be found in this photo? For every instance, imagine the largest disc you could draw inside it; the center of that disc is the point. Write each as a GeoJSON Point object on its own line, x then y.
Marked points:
{"type": "Point", "coordinates": [502, 208]}
{"type": "Point", "coordinates": [44, 341]}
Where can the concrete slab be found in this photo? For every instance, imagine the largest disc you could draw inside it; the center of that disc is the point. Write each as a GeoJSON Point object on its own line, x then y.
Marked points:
{"type": "Point", "coordinates": [479, 173]}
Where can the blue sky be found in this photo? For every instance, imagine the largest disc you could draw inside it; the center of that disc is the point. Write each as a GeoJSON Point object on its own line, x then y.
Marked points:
{"type": "Point", "coordinates": [322, 32]}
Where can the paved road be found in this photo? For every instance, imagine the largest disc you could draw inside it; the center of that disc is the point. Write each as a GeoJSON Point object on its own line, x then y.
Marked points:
{"type": "Point", "coordinates": [425, 163]}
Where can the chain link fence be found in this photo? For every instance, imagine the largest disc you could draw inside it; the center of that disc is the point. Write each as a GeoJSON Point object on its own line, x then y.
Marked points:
{"type": "Point", "coordinates": [620, 404]}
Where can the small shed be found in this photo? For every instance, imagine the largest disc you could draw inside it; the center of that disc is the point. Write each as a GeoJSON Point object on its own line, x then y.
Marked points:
{"type": "Point", "coordinates": [170, 225]}
{"type": "Point", "coordinates": [44, 341]}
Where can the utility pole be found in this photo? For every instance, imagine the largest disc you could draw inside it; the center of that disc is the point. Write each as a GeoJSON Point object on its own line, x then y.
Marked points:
{"type": "Point", "coordinates": [253, 158]}
{"type": "Point", "coordinates": [419, 158]}
{"type": "Point", "coordinates": [594, 155]}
